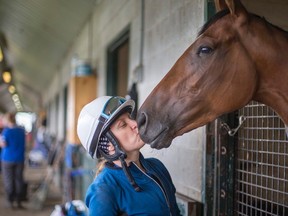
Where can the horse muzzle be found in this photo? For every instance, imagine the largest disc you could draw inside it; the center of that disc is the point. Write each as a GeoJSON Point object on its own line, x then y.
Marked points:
{"type": "Point", "coordinates": [155, 135]}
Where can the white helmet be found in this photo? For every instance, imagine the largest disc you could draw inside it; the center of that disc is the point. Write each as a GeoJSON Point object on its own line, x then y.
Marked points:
{"type": "Point", "coordinates": [96, 117]}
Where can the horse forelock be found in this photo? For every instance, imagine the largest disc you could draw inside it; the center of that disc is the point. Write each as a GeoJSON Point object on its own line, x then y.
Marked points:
{"type": "Point", "coordinates": [212, 20]}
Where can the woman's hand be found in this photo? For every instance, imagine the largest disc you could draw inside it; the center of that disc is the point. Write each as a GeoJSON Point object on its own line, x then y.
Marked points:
{"type": "Point", "coordinates": [2, 142]}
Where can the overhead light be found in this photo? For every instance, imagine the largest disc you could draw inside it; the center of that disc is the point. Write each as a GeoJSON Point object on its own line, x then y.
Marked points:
{"type": "Point", "coordinates": [15, 97]}
{"type": "Point", "coordinates": [1, 55]}
{"type": "Point", "coordinates": [7, 77]}
{"type": "Point", "coordinates": [11, 89]}
{"type": "Point", "coordinates": [17, 102]}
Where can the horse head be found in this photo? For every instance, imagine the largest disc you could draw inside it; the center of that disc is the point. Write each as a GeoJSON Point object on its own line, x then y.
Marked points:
{"type": "Point", "coordinates": [217, 74]}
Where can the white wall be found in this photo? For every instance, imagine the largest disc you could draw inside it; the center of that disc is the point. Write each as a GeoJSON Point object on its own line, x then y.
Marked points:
{"type": "Point", "coordinates": [170, 27]}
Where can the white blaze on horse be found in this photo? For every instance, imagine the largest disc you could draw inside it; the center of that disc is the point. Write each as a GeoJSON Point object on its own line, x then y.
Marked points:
{"type": "Point", "coordinates": [237, 57]}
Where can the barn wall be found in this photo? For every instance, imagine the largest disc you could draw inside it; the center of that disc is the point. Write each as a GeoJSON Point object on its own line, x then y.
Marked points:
{"type": "Point", "coordinates": [170, 27]}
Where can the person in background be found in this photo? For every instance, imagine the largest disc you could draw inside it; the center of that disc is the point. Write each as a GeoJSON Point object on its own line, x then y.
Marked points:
{"type": "Point", "coordinates": [12, 143]}
{"type": "Point", "coordinates": [42, 138]}
{"type": "Point", "coordinates": [1, 129]}
{"type": "Point", "coordinates": [127, 183]}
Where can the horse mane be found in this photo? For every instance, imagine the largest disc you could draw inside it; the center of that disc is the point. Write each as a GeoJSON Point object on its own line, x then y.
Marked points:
{"type": "Point", "coordinates": [267, 22]}
{"type": "Point", "coordinates": [223, 13]}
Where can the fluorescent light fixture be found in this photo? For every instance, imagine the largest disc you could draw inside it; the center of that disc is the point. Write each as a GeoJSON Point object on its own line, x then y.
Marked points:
{"type": "Point", "coordinates": [17, 102]}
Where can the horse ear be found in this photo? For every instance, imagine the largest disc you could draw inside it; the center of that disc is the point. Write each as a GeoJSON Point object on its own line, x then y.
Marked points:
{"type": "Point", "coordinates": [234, 6]}
{"type": "Point", "coordinates": [220, 5]}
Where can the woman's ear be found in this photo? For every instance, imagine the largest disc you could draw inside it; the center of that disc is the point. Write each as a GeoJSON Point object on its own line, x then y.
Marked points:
{"type": "Point", "coordinates": [111, 149]}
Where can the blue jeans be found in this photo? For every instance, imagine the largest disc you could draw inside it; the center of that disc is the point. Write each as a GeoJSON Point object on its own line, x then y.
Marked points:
{"type": "Point", "coordinates": [13, 180]}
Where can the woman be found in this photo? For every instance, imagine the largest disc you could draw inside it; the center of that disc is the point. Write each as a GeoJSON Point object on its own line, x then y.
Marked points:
{"type": "Point", "coordinates": [128, 184]}
{"type": "Point", "coordinates": [13, 151]}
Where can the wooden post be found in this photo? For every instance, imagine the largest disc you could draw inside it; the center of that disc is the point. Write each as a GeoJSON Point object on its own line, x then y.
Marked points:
{"type": "Point", "coordinates": [81, 90]}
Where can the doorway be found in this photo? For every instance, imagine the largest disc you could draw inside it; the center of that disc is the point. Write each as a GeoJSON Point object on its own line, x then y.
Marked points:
{"type": "Point", "coordinates": [118, 65]}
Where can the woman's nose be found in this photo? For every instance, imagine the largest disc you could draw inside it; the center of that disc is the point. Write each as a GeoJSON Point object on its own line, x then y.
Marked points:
{"type": "Point", "coordinates": [133, 124]}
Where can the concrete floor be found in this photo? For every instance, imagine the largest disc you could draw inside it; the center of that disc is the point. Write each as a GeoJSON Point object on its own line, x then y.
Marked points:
{"type": "Point", "coordinates": [33, 206]}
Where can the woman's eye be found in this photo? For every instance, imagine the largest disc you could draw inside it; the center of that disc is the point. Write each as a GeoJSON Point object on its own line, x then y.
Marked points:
{"type": "Point", "coordinates": [123, 124]}
{"type": "Point", "coordinates": [204, 50]}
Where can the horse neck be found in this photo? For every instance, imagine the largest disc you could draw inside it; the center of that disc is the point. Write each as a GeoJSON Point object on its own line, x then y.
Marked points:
{"type": "Point", "coordinates": [272, 69]}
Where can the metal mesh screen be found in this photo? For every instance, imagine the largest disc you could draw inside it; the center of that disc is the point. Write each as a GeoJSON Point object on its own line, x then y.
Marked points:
{"type": "Point", "coordinates": [261, 163]}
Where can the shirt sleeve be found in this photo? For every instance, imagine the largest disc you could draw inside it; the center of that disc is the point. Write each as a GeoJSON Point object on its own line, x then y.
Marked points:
{"type": "Point", "coordinates": [4, 137]}
{"type": "Point", "coordinates": [100, 200]}
{"type": "Point", "coordinates": [4, 134]}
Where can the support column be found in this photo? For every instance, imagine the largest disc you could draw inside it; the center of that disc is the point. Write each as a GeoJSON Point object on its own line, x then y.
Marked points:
{"type": "Point", "coordinates": [81, 90]}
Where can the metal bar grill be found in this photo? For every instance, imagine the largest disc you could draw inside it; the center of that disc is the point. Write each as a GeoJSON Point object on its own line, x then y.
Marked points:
{"type": "Point", "coordinates": [261, 164]}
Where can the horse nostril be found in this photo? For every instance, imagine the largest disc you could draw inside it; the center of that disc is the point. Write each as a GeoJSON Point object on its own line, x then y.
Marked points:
{"type": "Point", "coordinates": [142, 121]}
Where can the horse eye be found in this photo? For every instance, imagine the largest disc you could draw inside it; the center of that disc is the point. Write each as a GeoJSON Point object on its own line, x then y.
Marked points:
{"type": "Point", "coordinates": [204, 50]}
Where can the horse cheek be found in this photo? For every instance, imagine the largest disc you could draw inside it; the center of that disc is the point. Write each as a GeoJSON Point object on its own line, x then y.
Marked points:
{"type": "Point", "coordinates": [247, 75]}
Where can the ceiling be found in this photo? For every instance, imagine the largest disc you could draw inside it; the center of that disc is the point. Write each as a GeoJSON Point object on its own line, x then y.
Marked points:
{"type": "Point", "coordinates": [34, 36]}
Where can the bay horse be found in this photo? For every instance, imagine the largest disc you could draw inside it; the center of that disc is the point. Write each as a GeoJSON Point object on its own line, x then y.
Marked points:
{"type": "Point", "coordinates": [237, 57]}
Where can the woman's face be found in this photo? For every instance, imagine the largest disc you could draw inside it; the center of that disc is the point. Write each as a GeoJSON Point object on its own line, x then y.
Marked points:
{"type": "Point", "coordinates": [126, 131]}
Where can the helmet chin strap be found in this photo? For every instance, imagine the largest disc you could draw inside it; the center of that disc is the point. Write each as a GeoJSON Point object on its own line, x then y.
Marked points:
{"type": "Point", "coordinates": [119, 155]}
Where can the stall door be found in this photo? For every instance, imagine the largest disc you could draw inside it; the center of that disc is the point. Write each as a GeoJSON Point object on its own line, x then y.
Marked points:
{"type": "Point", "coordinates": [261, 164]}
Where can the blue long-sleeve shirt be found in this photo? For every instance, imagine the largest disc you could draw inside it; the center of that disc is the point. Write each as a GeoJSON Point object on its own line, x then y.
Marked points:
{"type": "Point", "coordinates": [14, 150]}
{"type": "Point", "coordinates": [111, 193]}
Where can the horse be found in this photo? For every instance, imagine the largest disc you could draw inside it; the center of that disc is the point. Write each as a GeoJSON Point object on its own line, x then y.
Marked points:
{"type": "Point", "coordinates": [237, 57]}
